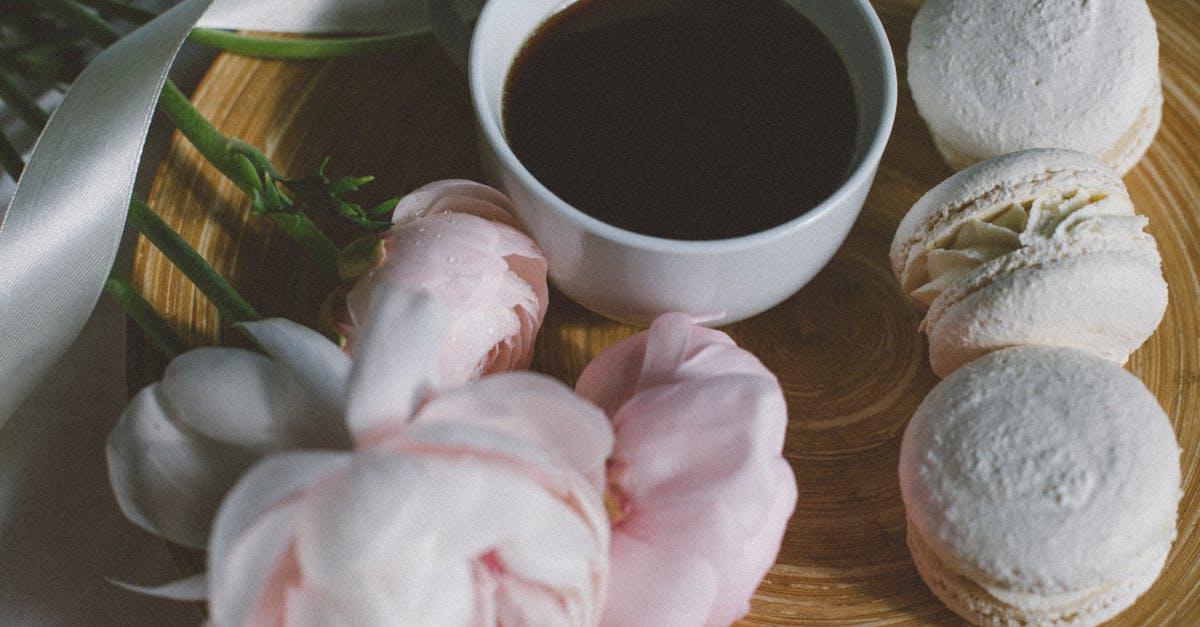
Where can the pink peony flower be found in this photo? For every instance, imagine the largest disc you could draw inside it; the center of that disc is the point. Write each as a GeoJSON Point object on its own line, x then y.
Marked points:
{"type": "Point", "coordinates": [478, 505]}
{"type": "Point", "coordinates": [183, 442]}
{"type": "Point", "coordinates": [699, 492]}
{"type": "Point", "coordinates": [459, 241]}
{"type": "Point", "coordinates": [467, 516]}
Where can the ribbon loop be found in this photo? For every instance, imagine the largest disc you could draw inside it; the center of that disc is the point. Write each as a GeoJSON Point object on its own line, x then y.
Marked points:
{"type": "Point", "coordinates": [60, 233]}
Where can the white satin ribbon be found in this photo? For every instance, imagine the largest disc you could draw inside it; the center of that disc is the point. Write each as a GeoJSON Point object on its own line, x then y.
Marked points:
{"type": "Point", "coordinates": [60, 233]}
{"type": "Point", "coordinates": [313, 16]}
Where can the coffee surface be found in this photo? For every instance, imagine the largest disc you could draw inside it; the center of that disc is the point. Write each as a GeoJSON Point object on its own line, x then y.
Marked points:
{"type": "Point", "coordinates": [683, 119]}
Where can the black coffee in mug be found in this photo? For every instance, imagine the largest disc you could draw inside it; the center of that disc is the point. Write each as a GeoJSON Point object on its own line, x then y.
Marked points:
{"type": "Point", "coordinates": [683, 119]}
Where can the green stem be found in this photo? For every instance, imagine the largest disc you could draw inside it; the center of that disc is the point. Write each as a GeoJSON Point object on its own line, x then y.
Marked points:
{"type": "Point", "coordinates": [20, 102]}
{"type": "Point", "coordinates": [141, 312]}
{"type": "Point", "coordinates": [40, 66]}
{"type": "Point", "coordinates": [276, 48]}
{"type": "Point", "coordinates": [122, 10]}
{"type": "Point", "coordinates": [212, 145]}
{"type": "Point", "coordinates": [83, 20]}
{"type": "Point", "coordinates": [10, 158]}
{"type": "Point", "coordinates": [228, 302]}
{"type": "Point", "coordinates": [241, 164]}
{"type": "Point", "coordinates": [305, 233]}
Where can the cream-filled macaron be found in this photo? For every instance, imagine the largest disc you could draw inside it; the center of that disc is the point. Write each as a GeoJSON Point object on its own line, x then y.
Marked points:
{"type": "Point", "coordinates": [1041, 487]}
{"type": "Point", "coordinates": [1035, 247]}
{"type": "Point", "coordinates": [992, 77]}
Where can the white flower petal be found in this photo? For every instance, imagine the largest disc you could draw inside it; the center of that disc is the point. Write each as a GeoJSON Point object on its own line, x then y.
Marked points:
{"type": "Point", "coordinates": [194, 588]}
{"type": "Point", "coordinates": [319, 365]}
{"type": "Point", "coordinates": [394, 365]}
{"type": "Point", "coordinates": [166, 478]}
{"type": "Point", "coordinates": [243, 398]}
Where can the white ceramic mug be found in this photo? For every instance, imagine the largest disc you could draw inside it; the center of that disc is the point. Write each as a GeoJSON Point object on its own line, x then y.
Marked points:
{"type": "Point", "coordinates": [633, 277]}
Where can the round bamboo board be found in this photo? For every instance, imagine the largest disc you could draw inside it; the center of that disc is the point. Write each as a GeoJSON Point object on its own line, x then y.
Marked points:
{"type": "Point", "coordinates": [846, 347]}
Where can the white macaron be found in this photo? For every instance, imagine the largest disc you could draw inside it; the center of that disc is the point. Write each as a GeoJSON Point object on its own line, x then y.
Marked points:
{"type": "Point", "coordinates": [1040, 246]}
{"type": "Point", "coordinates": [995, 77]}
{"type": "Point", "coordinates": [1041, 487]}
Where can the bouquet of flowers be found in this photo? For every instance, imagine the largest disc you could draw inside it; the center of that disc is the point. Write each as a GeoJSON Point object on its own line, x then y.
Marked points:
{"type": "Point", "coordinates": [409, 469]}
{"type": "Point", "coordinates": [416, 475]}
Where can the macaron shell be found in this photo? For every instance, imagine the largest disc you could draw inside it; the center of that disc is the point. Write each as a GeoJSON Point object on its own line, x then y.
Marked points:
{"type": "Point", "coordinates": [1041, 470]}
{"type": "Point", "coordinates": [1129, 149]}
{"type": "Point", "coordinates": [991, 78]}
{"type": "Point", "coordinates": [984, 190]}
{"type": "Point", "coordinates": [1122, 155]}
{"type": "Point", "coordinates": [980, 606]}
{"type": "Point", "coordinates": [1105, 303]}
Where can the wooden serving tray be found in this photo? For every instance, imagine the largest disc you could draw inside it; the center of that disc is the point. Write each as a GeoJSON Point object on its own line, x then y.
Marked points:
{"type": "Point", "coordinates": [846, 347]}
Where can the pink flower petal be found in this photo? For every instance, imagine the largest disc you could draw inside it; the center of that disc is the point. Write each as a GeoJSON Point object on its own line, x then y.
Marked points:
{"type": "Point", "coordinates": [458, 240]}
{"type": "Point", "coordinates": [257, 566]}
{"type": "Point", "coordinates": [253, 531]}
{"type": "Point", "coordinates": [696, 469]}
{"type": "Point", "coordinates": [536, 409]}
{"type": "Point", "coordinates": [353, 516]}
{"type": "Point", "coordinates": [491, 203]}
{"type": "Point", "coordinates": [429, 530]}
{"type": "Point", "coordinates": [646, 575]}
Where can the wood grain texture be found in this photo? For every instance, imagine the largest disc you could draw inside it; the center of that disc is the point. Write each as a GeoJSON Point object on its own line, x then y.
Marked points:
{"type": "Point", "coordinates": [845, 348]}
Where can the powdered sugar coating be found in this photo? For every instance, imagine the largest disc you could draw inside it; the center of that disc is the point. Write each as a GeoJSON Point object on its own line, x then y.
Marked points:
{"type": "Point", "coordinates": [1106, 303]}
{"type": "Point", "coordinates": [1037, 471]}
{"type": "Point", "coordinates": [991, 78]}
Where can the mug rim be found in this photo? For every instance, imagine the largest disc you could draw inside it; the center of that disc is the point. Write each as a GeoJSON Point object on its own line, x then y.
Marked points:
{"type": "Point", "coordinates": [489, 116]}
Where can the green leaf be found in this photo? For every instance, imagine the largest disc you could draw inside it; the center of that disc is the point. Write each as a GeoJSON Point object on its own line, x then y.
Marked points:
{"type": "Point", "coordinates": [318, 192]}
{"type": "Point", "coordinates": [349, 184]}
{"type": "Point", "coordinates": [384, 208]}
{"type": "Point", "coordinates": [359, 257]}
{"type": "Point", "coordinates": [256, 201]}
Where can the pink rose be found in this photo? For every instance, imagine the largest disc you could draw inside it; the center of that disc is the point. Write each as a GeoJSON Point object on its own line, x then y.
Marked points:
{"type": "Point", "coordinates": [479, 512]}
{"type": "Point", "coordinates": [459, 241]}
{"type": "Point", "coordinates": [699, 492]}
